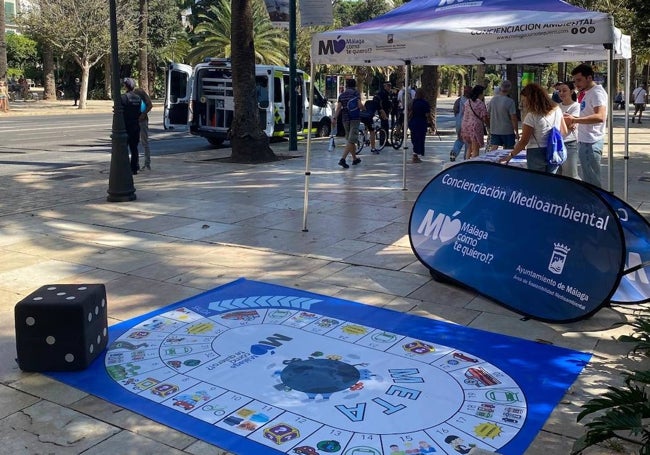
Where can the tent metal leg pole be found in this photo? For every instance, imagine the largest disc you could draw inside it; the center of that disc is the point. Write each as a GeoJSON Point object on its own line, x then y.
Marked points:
{"type": "Point", "coordinates": [308, 152]}
{"type": "Point", "coordinates": [610, 119]}
{"type": "Point", "coordinates": [407, 96]}
{"type": "Point", "coordinates": [626, 151]}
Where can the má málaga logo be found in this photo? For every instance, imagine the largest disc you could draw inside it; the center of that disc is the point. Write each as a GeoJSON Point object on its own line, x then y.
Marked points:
{"type": "Point", "coordinates": [331, 46]}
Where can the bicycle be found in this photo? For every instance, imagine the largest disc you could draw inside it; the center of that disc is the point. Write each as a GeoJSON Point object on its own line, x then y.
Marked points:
{"type": "Point", "coordinates": [363, 137]}
{"type": "Point", "coordinates": [381, 135]}
{"type": "Point", "coordinates": [397, 135]}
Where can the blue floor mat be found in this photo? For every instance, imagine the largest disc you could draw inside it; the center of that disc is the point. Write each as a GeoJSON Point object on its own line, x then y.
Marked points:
{"type": "Point", "coordinates": [262, 369]}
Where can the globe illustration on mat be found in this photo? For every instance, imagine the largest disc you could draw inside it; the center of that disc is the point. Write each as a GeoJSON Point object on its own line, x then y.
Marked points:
{"type": "Point", "coordinates": [319, 376]}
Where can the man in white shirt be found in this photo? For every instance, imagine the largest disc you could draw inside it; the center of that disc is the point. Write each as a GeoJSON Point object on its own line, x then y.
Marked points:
{"type": "Point", "coordinates": [638, 97]}
{"type": "Point", "coordinates": [590, 123]}
{"type": "Point", "coordinates": [400, 97]}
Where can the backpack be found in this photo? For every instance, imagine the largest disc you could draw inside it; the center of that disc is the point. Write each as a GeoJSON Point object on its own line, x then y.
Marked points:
{"type": "Point", "coordinates": [131, 103]}
{"type": "Point", "coordinates": [370, 109]}
{"type": "Point", "coordinates": [555, 148]}
{"type": "Point", "coordinates": [354, 112]}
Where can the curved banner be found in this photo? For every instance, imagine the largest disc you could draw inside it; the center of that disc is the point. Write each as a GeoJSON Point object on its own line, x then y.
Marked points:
{"type": "Point", "coordinates": [545, 246]}
{"type": "Point", "coordinates": [635, 282]}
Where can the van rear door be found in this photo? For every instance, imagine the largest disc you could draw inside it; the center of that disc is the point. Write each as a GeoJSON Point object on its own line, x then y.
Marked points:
{"type": "Point", "coordinates": [177, 96]}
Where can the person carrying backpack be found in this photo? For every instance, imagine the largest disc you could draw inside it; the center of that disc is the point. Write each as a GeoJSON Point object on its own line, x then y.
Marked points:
{"type": "Point", "coordinates": [542, 116]}
{"type": "Point", "coordinates": [349, 106]}
{"type": "Point", "coordinates": [132, 108]}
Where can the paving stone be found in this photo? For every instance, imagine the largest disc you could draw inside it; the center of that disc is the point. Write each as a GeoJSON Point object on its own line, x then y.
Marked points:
{"type": "Point", "coordinates": [155, 251]}
{"type": "Point", "coordinates": [48, 428]}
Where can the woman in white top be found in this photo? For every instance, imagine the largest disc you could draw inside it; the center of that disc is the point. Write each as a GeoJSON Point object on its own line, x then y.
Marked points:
{"type": "Point", "coordinates": [569, 105]}
{"type": "Point", "coordinates": [542, 115]}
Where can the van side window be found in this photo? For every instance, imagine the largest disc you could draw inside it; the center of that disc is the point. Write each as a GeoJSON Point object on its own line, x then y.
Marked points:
{"type": "Point", "coordinates": [277, 90]}
{"type": "Point", "coordinates": [178, 86]}
{"type": "Point", "coordinates": [262, 89]}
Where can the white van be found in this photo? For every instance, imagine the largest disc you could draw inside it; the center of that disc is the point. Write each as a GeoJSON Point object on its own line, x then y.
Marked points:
{"type": "Point", "coordinates": [202, 98]}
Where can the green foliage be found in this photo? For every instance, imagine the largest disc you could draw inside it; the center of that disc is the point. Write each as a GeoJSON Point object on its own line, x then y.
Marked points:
{"type": "Point", "coordinates": [641, 22]}
{"type": "Point", "coordinates": [350, 13]}
{"type": "Point", "coordinates": [621, 412]}
{"type": "Point", "coordinates": [641, 336]}
{"type": "Point", "coordinates": [14, 73]}
{"type": "Point", "coordinates": [21, 51]}
{"type": "Point", "coordinates": [97, 93]}
{"type": "Point", "coordinates": [212, 35]}
{"type": "Point", "coordinates": [166, 37]}
{"type": "Point", "coordinates": [631, 16]}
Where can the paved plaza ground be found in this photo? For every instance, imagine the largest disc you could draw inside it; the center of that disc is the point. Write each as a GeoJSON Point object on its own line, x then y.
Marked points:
{"type": "Point", "coordinates": [199, 222]}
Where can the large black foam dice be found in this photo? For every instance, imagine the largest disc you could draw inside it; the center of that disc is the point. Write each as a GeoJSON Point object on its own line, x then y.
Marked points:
{"type": "Point", "coordinates": [61, 327]}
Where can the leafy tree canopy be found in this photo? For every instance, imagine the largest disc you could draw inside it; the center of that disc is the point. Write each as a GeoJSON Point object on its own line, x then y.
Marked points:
{"type": "Point", "coordinates": [21, 50]}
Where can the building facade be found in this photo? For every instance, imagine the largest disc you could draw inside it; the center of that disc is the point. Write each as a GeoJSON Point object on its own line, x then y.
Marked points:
{"type": "Point", "coordinates": [12, 9]}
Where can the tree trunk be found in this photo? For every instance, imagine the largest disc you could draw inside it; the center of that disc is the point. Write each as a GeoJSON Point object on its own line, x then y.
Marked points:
{"type": "Point", "coordinates": [49, 86]}
{"type": "Point", "coordinates": [83, 91]}
{"type": "Point", "coordinates": [143, 66]}
{"type": "Point", "coordinates": [249, 142]}
{"type": "Point", "coordinates": [151, 78]}
{"type": "Point", "coordinates": [431, 85]}
{"type": "Point", "coordinates": [561, 72]}
{"type": "Point", "coordinates": [108, 89]}
{"type": "Point", "coordinates": [511, 75]}
{"type": "Point", "coordinates": [480, 74]}
{"type": "Point", "coordinates": [3, 43]}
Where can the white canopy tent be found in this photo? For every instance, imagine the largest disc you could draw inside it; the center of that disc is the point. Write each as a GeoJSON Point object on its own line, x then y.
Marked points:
{"type": "Point", "coordinates": [467, 32]}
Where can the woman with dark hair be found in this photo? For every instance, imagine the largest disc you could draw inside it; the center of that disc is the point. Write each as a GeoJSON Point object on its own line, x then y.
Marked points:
{"type": "Point", "coordinates": [472, 130]}
{"type": "Point", "coordinates": [419, 119]}
{"type": "Point", "coordinates": [542, 114]}
{"type": "Point", "coordinates": [570, 106]}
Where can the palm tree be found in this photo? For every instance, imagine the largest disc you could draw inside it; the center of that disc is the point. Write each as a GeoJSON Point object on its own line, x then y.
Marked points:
{"type": "Point", "coordinates": [214, 32]}
{"type": "Point", "coordinates": [249, 143]}
{"type": "Point", "coordinates": [3, 43]}
{"type": "Point", "coordinates": [455, 76]}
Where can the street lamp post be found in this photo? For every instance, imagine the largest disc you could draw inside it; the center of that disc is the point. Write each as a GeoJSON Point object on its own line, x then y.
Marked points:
{"type": "Point", "coordinates": [293, 96]}
{"type": "Point", "coordinates": [120, 181]}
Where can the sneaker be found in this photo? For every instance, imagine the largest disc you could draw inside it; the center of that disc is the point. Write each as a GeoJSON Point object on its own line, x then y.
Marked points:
{"type": "Point", "coordinates": [146, 166]}
{"type": "Point", "coordinates": [416, 159]}
{"type": "Point", "coordinates": [356, 161]}
{"type": "Point", "coordinates": [374, 151]}
{"type": "Point", "coordinates": [452, 156]}
{"type": "Point", "coordinates": [343, 164]}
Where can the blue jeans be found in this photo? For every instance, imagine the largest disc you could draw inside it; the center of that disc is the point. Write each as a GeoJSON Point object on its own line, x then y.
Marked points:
{"type": "Point", "coordinates": [536, 161]}
{"type": "Point", "coordinates": [570, 167]}
{"type": "Point", "coordinates": [590, 156]}
{"type": "Point", "coordinates": [506, 140]}
{"type": "Point", "coordinates": [458, 143]}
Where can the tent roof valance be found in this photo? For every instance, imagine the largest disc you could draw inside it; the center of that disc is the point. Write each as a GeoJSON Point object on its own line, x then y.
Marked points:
{"type": "Point", "coordinates": [435, 32]}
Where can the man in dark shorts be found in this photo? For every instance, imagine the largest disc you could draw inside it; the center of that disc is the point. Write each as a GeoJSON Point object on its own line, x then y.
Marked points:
{"type": "Point", "coordinates": [367, 118]}
{"type": "Point", "coordinates": [639, 97]}
{"type": "Point", "coordinates": [348, 99]}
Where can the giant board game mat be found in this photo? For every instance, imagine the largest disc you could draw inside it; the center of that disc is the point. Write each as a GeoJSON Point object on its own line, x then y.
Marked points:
{"type": "Point", "coordinates": [262, 369]}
